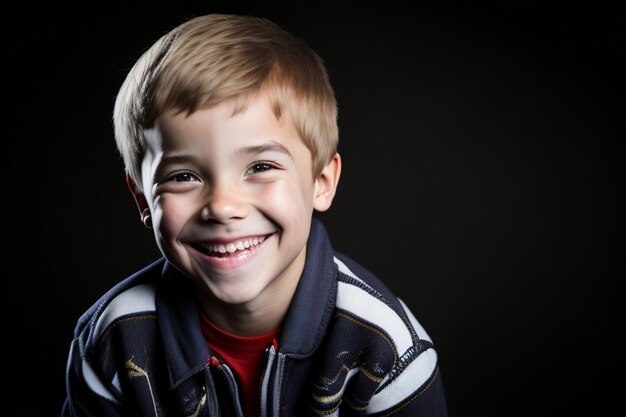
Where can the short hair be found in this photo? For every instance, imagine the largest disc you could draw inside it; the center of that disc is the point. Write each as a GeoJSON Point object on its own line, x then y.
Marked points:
{"type": "Point", "coordinates": [212, 58]}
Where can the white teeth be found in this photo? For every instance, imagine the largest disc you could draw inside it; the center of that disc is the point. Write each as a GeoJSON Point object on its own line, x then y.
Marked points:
{"type": "Point", "coordinates": [235, 246]}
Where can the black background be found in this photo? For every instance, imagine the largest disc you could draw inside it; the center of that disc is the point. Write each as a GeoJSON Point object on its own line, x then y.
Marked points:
{"type": "Point", "coordinates": [483, 149]}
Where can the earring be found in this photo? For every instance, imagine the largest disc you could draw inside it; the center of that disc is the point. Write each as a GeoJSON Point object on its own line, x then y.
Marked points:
{"type": "Point", "coordinates": [146, 218]}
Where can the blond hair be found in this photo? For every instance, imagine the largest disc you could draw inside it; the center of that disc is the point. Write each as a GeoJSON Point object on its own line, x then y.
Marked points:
{"type": "Point", "coordinates": [216, 57]}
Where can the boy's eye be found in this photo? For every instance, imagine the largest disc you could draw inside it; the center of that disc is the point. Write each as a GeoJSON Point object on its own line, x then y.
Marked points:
{"type": "Point", "coordinates": [259, 167]}
{"type": "Point", "coordinates": [183, 177]}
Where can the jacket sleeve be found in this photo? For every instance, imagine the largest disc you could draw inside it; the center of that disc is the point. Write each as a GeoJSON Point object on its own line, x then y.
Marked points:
{"type": "Point", "coordinates": [89, 392]}
{"type": "Point", "coordinates": [424, 400]}
{"type": "Point", "coordinates": [414, 387]}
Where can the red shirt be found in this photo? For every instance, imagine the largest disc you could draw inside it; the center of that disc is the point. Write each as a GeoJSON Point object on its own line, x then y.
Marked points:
{"type": "Point", "coordinates": [245, 355]}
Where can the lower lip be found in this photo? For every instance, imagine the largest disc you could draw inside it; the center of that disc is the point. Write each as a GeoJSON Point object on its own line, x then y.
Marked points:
{"type": "Point", "coordinates": [235, 260]}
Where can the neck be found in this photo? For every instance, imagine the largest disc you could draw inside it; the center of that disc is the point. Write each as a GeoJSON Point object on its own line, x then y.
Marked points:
{"type": "Point", "coordinates": [262, 315]}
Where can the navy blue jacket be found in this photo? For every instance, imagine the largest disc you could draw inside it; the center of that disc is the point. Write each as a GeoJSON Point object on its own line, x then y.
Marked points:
{"type": "Point", "coordinates": [348, 347]}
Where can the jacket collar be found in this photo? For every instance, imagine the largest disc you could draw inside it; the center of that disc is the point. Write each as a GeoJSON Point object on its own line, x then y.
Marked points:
{"type": "Point", "coordinates": [303, 330]}
{"type": "Point", "coordinates": [314, 300]}
{"type": "Point", "coordinates": [185, 348]}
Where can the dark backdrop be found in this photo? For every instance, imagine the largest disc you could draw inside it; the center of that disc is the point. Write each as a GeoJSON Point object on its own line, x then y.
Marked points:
{"type": "Point", "coordinates": [483, 149]}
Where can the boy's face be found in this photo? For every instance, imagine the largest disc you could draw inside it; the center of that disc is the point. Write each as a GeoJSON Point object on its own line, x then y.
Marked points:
{"type": "Point", "coordinates": [231, 198]}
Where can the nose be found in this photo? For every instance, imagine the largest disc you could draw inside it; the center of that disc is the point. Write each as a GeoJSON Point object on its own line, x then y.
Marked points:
{"type": "Point", "coordinates": [225, 202]}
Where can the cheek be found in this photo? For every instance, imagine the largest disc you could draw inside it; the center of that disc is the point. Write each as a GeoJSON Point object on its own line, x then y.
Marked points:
{"type": "Point", "coordinates": [288, 202]}
{"type": "Point", "coordinates": [171, 215]}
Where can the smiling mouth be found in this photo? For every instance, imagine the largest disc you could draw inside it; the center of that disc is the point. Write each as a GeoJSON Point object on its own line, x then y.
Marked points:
{"type": "Point", "coordinates": [222, 250]}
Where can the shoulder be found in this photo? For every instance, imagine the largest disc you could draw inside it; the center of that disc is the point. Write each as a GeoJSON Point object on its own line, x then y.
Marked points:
{"type": "Point", "coordinates": [134, 295]}
{"type": "Point", "coordinates": [92, 368]}
{"type": "Point", "coordinates": [361, 294]}
{"type": "Point", "coordinates": [376, 343]}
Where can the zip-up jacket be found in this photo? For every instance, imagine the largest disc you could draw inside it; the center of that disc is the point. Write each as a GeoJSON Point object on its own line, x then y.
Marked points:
{"type": "Point", "coordinates": [348, 347]}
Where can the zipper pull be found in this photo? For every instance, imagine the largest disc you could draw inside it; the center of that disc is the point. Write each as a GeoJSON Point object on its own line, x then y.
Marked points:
{"type": "Point", "coordinates": [213, 361]}
{"type": "Point", "coordinates": [228, 376]}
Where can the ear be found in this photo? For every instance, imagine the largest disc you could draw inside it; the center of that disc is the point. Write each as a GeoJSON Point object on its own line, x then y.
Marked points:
{"type": "Point", "coordinates": [326, 184]}
{"type": "Point", "coordinates": [140, 198]}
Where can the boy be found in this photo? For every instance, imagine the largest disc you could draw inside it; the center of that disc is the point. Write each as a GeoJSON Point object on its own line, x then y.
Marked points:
{"type": "Point", "coordinates": [228, 130]}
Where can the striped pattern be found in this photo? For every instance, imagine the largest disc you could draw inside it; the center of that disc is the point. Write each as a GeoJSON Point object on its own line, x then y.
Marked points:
{"type": "Point", "coordinates": [414, 361]}
{"type": "Point", "coordinates": [137, 299]}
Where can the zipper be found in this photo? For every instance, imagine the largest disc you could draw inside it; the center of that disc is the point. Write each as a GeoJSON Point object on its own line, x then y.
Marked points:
{"type": "Point", "coordinates": [211, 394]}
{"type": "Point", "coordinates": [278, 380]}
{"type": "Point", "coordinates": [271, 354]}
{"type": "Point", "coordinates": [230, 379]}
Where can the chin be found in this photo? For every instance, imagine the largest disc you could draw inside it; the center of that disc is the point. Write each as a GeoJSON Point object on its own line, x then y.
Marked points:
{"type": "Point", "coordinates": [235, 296]}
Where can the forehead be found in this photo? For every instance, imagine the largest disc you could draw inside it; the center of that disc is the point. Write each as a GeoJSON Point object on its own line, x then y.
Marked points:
{"type": "Point", "coordinates": [230, 122]}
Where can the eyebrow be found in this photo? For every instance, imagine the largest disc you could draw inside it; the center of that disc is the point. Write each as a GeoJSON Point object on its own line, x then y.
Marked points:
{"type": "Point", "coordinates": [267, 147]}
{"type": "Point", "coordinates": [178, 159]}
{"type": "Point", "coordinates": [245, 151]}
